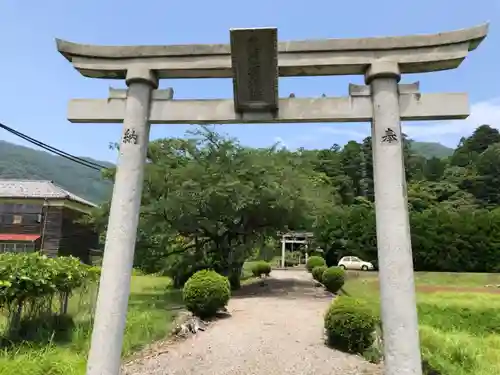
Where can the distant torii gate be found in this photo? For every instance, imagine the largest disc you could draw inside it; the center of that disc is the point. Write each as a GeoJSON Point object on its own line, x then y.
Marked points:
{"type": "Point", "coordinates": [254, 60]}
{"type": "Point", "coordinates": [303, 238]}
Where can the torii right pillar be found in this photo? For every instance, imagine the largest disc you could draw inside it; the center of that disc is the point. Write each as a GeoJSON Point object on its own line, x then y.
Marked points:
{"type": "Point", "coordinates": [397, 285]}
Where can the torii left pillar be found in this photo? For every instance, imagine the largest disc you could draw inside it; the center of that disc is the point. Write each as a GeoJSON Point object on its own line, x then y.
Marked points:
{"type": "Point", "coordinates": [114, 289]}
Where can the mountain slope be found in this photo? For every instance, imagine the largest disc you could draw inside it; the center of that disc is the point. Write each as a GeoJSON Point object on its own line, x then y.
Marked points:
{"type": "Point", "coordinates": [431, 149]}
{"type": "Point", "coordinates": [19, 162]}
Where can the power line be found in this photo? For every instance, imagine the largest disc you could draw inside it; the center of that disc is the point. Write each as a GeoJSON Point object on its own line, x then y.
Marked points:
{"type": "Point", "coordinates": [54, 150]}
{"type": "Point", "coordinates": [75, 159]}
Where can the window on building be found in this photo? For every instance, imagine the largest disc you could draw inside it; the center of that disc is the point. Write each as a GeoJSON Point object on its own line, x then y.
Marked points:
{"type": "Point", "coordinates": [17, 247]}
{"type": "Point", "coordinates": [17, 219]}
{"type": "Point", "coordinates": [6, 218]}
{"type": "Point", "coordinates": [35, 208]}
{"type": "Point", "coordinates": [32, 218]}
{"type": "Point", "coordinates": [7, 207]}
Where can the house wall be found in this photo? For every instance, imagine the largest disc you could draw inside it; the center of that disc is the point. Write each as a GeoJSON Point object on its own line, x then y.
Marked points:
{"type": "Point", "coordinates": [31, 218]}
{"type": "Point", "coordinates": [51, 231]}
{"type": "Point", "coordinates": [77, 239]}
{"type": "Point", "coordinates": [54, 221]}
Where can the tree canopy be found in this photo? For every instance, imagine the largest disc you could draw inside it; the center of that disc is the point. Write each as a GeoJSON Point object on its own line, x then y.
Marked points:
{"type": "Point", "coordinates": [209, 202]}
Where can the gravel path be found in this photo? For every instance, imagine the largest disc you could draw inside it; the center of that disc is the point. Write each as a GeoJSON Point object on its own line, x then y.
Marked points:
{"type": "Point", "coordinates": [274, 329]}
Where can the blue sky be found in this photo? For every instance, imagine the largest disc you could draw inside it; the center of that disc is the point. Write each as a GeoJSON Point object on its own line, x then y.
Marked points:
{"type": "Point", "coordinates": [36, 82]}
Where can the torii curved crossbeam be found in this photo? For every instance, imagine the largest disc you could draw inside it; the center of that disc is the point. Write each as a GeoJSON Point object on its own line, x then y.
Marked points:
{"type": "Point", "coordinates": [413, 53]}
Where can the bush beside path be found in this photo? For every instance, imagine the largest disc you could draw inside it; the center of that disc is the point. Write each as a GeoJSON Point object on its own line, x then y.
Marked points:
{"type": "Point", "coordinates": [274, 329]}
{"type": "Point", "coordinates": [153, 306]}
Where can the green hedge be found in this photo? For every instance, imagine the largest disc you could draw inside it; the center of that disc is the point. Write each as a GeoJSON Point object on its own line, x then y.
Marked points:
{"type": "Point", "coordinates": [261, 268]}
{"type": "Point", "coordinates": [350, 325]}
{"type": "Point", "coordinates": [333, 279]}
{"type": "Point", "coordinates": [29, 283]}
{"type": "Point", "coordinates": [206, 292]}
{"type": "Point", "coordinates": [314, 261]}
{"type": "Point", "coordinates": [443, 239]}
{"type": "Point", "coordinates": [29, 276]}
{"type": "Point", "coordinates": [317, 273]}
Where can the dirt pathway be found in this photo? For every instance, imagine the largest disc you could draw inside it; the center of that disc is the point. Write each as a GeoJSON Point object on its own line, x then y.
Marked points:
{"type": "Point", "coordinates": [274, 329]}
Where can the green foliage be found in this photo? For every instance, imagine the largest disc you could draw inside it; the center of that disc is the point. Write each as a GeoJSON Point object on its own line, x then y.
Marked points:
{"type": "Point", "coordinates": [348, 231]}
{"type": "Point", "coordinates": [227, 201]}
{"type": "Point", "coordinates": [206, 292]}
{"type": "Point", "coordinates": [59, 344]}
{"type": "Point", "coordinates": [350, 324]}
{"type": "Point", "coordinates": [314, 261]}
{"type": "Point", "coordinates": [317, 273]}
{"type": "Point", "coordinates": [458, 329]}
{"type": "Point", "coordinates": [470, 148]}
{"type": "Point", "coordinates": [223, 199]}
{"type": "Point", "coordinates": [29, 276]}
{"type": "Point", "coordinates": [20, 162]}
{"type": "Point", "coordinates": [261, 268]}
{"type": "Point", "coordinates": [29, 282]}
{"type": "Point", "coordinates": [462, 239]}
{"type": "Point", "coordinates": [465, 240]}
{"type": "Point", "coordinates": [181, 267]}
{"type": "Point", "coordinates": [333, 279]}
{"type": "Point", "coordinates": [137, 272]}
{"type": "Point", "coordinates": [266, 251]}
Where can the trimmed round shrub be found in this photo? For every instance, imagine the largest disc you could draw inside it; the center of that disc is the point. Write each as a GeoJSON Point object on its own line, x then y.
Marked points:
{"type": "Point", "coordinates": [350, 325]}
{"type": "Point", "coordinates": [314, 261]}
{"type": "Point", "coordinates": [206, 292]}
{"type": "Point", "coordinates": [333, 279]}
{"type": "Point", "coordinates": [261, 268]}
{"type": "Point", "coordinates": [317, 273]}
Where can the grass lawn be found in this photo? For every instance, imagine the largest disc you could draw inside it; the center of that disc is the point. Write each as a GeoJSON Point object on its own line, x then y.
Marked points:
{"type": "Point", "coordinates": [459, 331]}
{"type": "Point", "coordinates": [152, 308]}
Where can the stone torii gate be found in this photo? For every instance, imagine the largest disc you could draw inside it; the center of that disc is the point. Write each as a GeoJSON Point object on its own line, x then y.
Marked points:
{"type": "Point", "coordinates": [255, 60]}
{"type": "Point", "coordinates": [300, 238]}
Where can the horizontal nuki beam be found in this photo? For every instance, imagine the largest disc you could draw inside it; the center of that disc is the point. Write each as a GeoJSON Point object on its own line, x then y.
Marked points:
{"type": "Point", "coordinates": [163, 94]}
{"type": "Point", "coordinates": [413, 107]}
{"type": "Point", "coordinates": [413, 53]}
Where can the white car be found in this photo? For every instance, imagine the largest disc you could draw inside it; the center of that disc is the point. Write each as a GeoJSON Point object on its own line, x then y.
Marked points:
{"type": "Point", "coordinates": [354, 263]}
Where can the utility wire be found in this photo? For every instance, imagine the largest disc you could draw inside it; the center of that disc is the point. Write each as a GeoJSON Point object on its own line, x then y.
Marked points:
{"type": "Point", "coordinates": [54, 150]}
{"type": "Point", "coordinates": [75, 159]}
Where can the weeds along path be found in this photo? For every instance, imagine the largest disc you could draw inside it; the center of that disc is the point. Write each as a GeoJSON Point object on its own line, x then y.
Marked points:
{"type": "Point", "coordinates": [274, 329]}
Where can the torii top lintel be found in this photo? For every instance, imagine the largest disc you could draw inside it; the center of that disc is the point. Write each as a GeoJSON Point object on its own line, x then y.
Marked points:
{"type": "Point", "coordinates": [413, 53]}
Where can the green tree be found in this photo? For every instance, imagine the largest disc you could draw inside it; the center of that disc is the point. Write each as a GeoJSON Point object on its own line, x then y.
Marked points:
{"type": "Point", "coordinates": [470, 148]}
{"type": "Point", "coordinates": [486, 184]}
{"type": "Point", "coordinates": [433, 169]}
{"type": "Point", "coordinates": [352, 164]}
{"type": "Point", "coordinates": [221, 198]}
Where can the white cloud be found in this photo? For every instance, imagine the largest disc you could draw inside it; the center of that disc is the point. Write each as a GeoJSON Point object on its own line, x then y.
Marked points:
{"type": "Point", "coordinates": [342, 129]}
{"type": "Point", "coordinates": [449, 132]}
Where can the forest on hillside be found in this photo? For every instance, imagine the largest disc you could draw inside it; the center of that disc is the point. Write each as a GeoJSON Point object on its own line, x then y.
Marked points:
{"type": "Point", "coordinates": [210, 202]}
{"type": "Point", "coordinates": [20, 162]}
